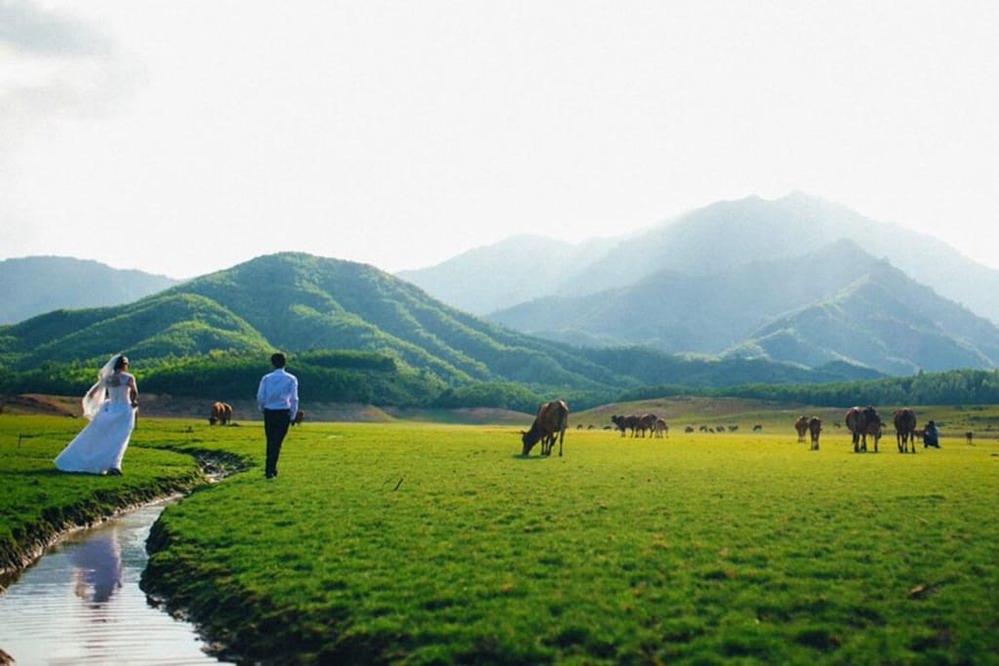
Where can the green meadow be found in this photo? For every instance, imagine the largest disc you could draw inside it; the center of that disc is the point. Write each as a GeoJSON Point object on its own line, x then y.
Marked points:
{"type": "Point", "coordinates": [425, 543]}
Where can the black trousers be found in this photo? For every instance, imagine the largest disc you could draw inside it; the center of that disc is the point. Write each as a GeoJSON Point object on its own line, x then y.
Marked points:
{"type": "Point", "coordinates": [276, 422]}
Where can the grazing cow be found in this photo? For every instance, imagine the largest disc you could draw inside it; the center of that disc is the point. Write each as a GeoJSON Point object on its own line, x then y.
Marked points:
{"type": "Point", "coordinates": [662, 428]}
{"type": "Point", "coordinates": [299, 417]}
{"type": "Point", "coordinates": [689, 428]}
{"type": "Point", "coordinates": [801, 425]}
{"type": "Point", "coordinates": [757, 428]}
{"type": "Point", "coordinates": [550, 423]}
{"type": "Point", "coordinates": [216, 413]}
{"type": "Point", "coordinates": [814, 429]}
{"type": "Point", "coordinates": [905, 429]}
{"type": "Point", "coordinates": [863, 423]}
{"type": "Point", "coordinates": [645, 422]}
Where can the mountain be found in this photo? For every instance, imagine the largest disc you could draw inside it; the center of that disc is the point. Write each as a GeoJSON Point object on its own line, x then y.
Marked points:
{"type": "Point", "coordinates": [710, 240]}
{"type": "Point", "coordinates": [298, 302]}
{"type": "Point", "coordinates": [35, 285]}
{"type": "Point", "coordinates": [504, 274]}
{"type": "Point", "coordinates": [883, 320]}
{"type": "Point", "coordinates": [208, 333]}
{"type": "Point", "coordinates": [837, 304]}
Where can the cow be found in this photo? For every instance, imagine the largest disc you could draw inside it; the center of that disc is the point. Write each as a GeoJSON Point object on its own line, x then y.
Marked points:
{"type": "Point", "coordinates": [757, 428]}
{"type": "Point", "coordinates": [905, 429]}
{"type": "Point", "coordinates": [221, 413]}
{"type": "Point", "coordinates": [801, 425]}
{"type": "Point", "coordinates": [662, 428]}
{"type": "Point", "coordinates": [216, 413]}
{"type": "Point", "coordinates": [874, 425]}
{"type": "Point", "coordinates": [689, 428]}
{"type": "Point", "coordinates": [863, 423]}
{"type": "Point", "coordinates": [645, 422]}
{"type": "Point", "coordinates": [970, 437]}
{"type": "Point", "coordinates": [299, 417]}
{"type": "Point", "coordinates": [623, 423]}
{"type": "Point", "coordinates": [814, 429]}
{"type": "Point", "coordinates": [550, 423]}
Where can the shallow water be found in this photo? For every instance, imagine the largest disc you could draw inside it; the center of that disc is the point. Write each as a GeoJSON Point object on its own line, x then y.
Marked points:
{"type": "Point", "coordinates": [81, 604]}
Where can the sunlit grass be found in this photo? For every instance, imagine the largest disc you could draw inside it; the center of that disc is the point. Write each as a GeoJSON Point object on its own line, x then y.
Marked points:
{"type": "Point", "coordinates": [429, 543]}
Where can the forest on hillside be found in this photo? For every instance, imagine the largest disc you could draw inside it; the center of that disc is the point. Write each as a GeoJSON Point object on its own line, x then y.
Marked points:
{"type": "Point", "coordinates": [378, 379]}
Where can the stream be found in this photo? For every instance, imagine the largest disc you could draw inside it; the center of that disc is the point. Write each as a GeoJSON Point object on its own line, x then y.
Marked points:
{"type": "Point", "coordinates": [81, 603]}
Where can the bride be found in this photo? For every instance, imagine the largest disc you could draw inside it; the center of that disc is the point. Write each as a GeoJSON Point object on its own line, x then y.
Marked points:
{"type": "Point", "coordinates": [110, 404]}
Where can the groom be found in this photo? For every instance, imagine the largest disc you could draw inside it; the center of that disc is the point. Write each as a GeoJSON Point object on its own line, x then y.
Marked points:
{"type": "Point", "coordinates": [277, 397]}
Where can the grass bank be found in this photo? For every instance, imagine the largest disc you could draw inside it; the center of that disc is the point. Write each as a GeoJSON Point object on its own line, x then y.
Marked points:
{"type": "Point", "coordinates": [39, 503]}
{"type": "Point", "coordinates": [422, 543]}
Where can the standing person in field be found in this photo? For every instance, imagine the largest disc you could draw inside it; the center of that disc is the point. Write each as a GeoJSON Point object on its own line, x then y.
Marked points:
{"type": "Point", "coordinates": [110, 405]}
{"type": "Point", "coordinates": [277, 397]}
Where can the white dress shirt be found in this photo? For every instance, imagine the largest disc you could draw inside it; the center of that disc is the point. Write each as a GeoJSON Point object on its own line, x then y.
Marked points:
{"type": "Point", "coordinates": [279, 390]}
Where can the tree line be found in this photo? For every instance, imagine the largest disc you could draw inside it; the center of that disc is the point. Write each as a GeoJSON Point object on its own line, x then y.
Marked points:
{"type": "Point", "coordinates": [380, 379]}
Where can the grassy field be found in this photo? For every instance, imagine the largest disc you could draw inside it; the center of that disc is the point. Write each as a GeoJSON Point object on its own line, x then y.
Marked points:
{"type": "Point", "coordinates": [423, 543]}
{"type": "Point", "coordinates": [38, 502]}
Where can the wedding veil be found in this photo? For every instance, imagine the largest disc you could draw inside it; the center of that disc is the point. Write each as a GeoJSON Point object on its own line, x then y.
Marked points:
{"type": "Point", "coordinates": [94, 396]}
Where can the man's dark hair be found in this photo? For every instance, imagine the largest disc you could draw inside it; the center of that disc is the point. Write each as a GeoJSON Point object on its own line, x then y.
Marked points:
{"type": "Point", "coordinates": [278, 360]}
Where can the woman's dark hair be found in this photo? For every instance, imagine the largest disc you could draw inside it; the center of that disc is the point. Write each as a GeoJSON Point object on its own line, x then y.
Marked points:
{"type": "Point", "coordinates": [121, 362]}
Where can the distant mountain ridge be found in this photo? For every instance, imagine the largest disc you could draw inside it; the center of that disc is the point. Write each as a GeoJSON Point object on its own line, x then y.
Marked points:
{"type": "Point", "coordinates": [797, 280]}
{"type": "Point", "coordinates": [837, 304]}
{"type": "Point", "coordinates": [712, 239]}
{"type": "Point", "coordinates": [35, 285]}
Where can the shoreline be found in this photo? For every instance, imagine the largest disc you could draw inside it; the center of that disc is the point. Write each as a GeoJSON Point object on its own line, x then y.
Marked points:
{"type": "Point", "coordinates": [93, 510]}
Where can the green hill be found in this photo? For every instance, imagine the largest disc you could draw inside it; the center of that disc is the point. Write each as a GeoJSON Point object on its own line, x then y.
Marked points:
{"type": "Point", "coordinates": [354, 333]}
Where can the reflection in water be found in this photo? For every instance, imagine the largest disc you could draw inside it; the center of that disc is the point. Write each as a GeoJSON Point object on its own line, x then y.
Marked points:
{"type": "Point", "coordinates": [98, 567]}
{"type": "Point", "coordinates": [81, 604]}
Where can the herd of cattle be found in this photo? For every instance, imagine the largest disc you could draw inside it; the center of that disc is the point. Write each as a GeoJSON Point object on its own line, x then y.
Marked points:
{"type": "Point", "coordinates": [552, 420]}
{"type": "Point", "coordinates": [864, 423]}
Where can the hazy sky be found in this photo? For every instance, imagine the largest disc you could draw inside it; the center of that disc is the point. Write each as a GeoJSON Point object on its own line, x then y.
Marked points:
{"type": "Point", "coordinates": [184, 137]}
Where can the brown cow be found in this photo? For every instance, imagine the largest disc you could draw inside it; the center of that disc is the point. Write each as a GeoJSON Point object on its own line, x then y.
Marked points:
{"type": "Point", "coordinates": [801, 425]}
{"type": "Point", "coordinates": [645, 422]}
{"type": "Point", "coordinates": [905, 429]}
{"type": "Point", "coordinates": [221, 413]}
{"type": "Point", "coordinates": [216, 413]}
{"type": "Point", "coordinates": [662, 428]}
{"type": "Point", "coordinates": [550, 423]}
{"type": "Point", "coordinates": [814, 429]}
{"type": "Point", "coordinates": [863, 423]}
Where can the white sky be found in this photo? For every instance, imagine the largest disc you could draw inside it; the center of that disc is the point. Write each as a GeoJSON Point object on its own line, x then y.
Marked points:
{"type": "Point", "coordinates": [187, 136]}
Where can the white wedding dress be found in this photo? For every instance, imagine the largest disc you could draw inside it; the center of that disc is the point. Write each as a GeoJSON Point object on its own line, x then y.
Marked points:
{"type": "Point", "coordinates": [100, 446]}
